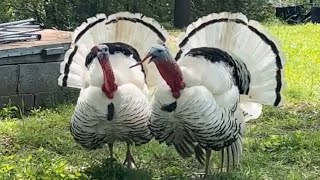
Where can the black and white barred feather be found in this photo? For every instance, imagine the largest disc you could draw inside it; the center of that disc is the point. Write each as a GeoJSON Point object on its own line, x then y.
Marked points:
{"type": "Point", "coordinates": [98, 119]}
{"type": "Point", "coordinates": [231, 66]}
{"type": "Point", "coordinates": [199, 123]}
{"type": "Point", "coordinates": [92, 126]}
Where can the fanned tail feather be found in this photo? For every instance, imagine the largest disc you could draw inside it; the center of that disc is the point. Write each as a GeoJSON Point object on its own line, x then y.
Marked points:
{"type": "Point", "coordinates": [230, 155]}
{"type": "Point", "coordinates": [250, 110]}
{"type": "Point", "coordinates": [249, 44]}
{"type": "Point", "coordinates": [136, 30]}
{"type": "Point", "coordinates": [199, 154]}
{"type": "Point", "coordinates": [184, 149]}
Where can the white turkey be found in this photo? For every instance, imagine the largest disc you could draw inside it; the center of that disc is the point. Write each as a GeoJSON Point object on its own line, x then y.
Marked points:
{"type": "Point", "coordinates": [113, 101]}
{"type": "Point", "coordinates": [225, 69]}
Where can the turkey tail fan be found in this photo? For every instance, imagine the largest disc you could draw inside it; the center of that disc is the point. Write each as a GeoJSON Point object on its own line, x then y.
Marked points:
{"type": "Point", "coordinates": [251, 110]}
{"type": "Point", "coordinates": [199, 154]}
{"type": "Point", "coordinates": [230, 155]}
{"type": "Point", "coordinates": [135, 30]}
{"type": "Point", "coordinates": [253, 49]}
{"type": "Point", "coordinates": [184, 149]}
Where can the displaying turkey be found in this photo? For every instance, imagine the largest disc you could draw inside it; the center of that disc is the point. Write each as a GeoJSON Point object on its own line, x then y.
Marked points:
{"type": "Point", "coordinates": [113, 101]}
{"type": "Point", "coordinates": [225, 69]}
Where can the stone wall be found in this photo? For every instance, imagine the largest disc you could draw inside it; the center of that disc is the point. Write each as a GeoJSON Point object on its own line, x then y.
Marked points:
{"type": "Point", "coordinates": [29, 76]}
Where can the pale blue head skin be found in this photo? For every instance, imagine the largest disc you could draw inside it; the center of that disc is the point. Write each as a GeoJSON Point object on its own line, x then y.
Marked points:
{"type": "Point", "coordinates": [103, 51]}
{"type": "Point", "coordinates": [159, 53]}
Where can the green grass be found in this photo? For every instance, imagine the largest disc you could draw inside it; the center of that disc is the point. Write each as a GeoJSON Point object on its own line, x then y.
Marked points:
{"type": "Point", "coordinates": [283, 144]}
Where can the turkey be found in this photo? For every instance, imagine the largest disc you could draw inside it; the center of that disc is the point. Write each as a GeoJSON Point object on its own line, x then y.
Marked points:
{"type": "Point", "coordinates": [226, 68]}
{"type": "Point", "coordinates": [113, 102]}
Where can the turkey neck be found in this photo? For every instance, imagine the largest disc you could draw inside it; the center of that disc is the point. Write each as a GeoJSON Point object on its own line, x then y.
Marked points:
{"type": "Point", "coordinates": [171, 73]}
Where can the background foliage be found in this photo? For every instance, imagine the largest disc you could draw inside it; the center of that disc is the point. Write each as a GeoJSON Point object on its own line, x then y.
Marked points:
{"type": "Point", "coordinates": [67, 14]}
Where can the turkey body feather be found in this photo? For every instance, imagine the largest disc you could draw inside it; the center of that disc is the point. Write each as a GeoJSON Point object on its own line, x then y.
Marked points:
{"type": "Point", "coordinates": [199, 119]}
{"type": "Point", "coordinates": [93, 126]}
{"type": "Point", "coordinates": [230, 67]}
{"type": "Point", "coordinates": [206, 114]}
{"type": "Point", "coordinates": [113, 102]}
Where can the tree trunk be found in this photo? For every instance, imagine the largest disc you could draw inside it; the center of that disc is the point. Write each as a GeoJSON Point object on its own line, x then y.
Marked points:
{"type": "Point", "coordinates": [182, 13]}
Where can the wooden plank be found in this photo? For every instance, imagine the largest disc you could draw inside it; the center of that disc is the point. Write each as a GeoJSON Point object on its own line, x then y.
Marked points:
{"type": "Point", "coordinates": [53, 51]}
{"type": "Point", "coordinates": [31, 50]}
{"type": "Point", "coordinates": [30, 59]}
{"type": "Point", "coordinates": [48, 37]}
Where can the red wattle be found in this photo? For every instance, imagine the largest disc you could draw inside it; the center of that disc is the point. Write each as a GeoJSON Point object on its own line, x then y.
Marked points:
{"type": "Point", "coordinates": [171, 73]}
{"type": "Point", "coordinates": [107, 92]}
{"type": "Point", "coordinates": [176, 94]}
{"type": "Point", "coordinates": [109, 86]}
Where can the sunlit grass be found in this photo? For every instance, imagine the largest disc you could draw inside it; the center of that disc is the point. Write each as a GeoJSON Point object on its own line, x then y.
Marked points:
{"type": "Point", "coordinates": [301, 45]}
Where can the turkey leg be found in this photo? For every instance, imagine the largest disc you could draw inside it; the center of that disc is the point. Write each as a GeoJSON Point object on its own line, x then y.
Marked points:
{"type": "Point", "coordinates": [111, 150]}
{"type": "Point", "coordinates": [129, 161]}
{"type": "Point", "coordinates": [206, 170]}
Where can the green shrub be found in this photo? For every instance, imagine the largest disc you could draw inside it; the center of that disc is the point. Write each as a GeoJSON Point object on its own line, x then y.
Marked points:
{"type": "Point", "coordinates": [6, 11]}
{"type": "Point", "coordinates": [259, 10]}
{"type": "Point", "coordinates": [68, 14]}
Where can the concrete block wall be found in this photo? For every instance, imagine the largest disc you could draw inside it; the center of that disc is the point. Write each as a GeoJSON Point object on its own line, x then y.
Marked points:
{"type": "Point", "coordinates": [29, 77]}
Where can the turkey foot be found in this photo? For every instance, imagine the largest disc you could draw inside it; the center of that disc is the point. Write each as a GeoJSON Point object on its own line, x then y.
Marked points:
{"type": "Point", "coordinates": [129, 161]}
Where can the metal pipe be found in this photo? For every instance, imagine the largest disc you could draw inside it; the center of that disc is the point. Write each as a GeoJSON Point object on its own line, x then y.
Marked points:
{"type": "Point", "coordinates": [8, 40]}
{"type": "Point", "coordinates": [17, 25]}
{"type": "Point", "coordinates": [34, 36]}
{"type": "Point", "coordinates": [20, 35]}
{"type": "Point", "coordinates": [21, 32]}
{"type": "Point", "coordinates": [24, 23]}
{"type": "Point", "coordinates": [16, 22]}
{"type": "Point", "coordinates": [16, 37]}
{"type": "Point", "coordinates": [20, 26]}
{"type": "Point", "coordinates": [5, 31]}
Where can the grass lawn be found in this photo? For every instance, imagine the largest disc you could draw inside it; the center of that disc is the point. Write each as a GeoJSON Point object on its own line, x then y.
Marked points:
{"type": "Point", "coordinates": [283, 144]}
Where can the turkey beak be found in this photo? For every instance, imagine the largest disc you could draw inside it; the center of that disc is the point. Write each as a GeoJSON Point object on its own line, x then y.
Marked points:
{"type": "Point", "coordinates": [103, 59]}
{"type": "Point", "coordinates": [143, 60]}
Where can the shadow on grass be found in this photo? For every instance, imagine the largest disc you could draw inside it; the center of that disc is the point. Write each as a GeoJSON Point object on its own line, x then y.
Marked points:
{"type": "Point", "coordinates": [225, 176]}
{"type": "Point", "coordinates": [214, 176]}
{"type": "Point", "coordinates": [111, 169]}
